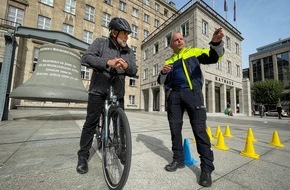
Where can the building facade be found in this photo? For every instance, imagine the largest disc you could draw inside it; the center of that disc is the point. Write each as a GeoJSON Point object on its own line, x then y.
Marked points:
{"type": "Point", "coordinates": [85, 20]}
{"type": "Point", "coordinates": [223, 82]}
{"type": "Point", "coordinates": [272, 62]}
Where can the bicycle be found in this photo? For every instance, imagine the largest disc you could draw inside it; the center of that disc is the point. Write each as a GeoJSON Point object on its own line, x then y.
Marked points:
{"type": "Point", "coordinates": [113, 137]}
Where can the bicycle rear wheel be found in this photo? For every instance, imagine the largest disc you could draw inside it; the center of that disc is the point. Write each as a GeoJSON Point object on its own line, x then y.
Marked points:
{"type": "Point", "coordinates": [117, 149]}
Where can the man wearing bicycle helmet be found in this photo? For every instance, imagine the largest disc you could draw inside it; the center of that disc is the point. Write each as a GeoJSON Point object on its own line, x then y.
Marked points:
{"type": "Point", "coordinates": [104, 54]}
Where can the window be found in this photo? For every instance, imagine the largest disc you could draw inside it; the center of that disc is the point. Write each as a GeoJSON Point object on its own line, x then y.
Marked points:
{"type": "Point", "coordinates": [228, 42]}
{"type": "Point", "coordinates": [134, 31]}
{"type": "Point", "coordinates": [185, 28]}
{"type": "Point", "coordinates": [132, 81]}
{"type": "Point", "coordinates": [85, 73]}
{"type": "Point", "coordinates": [157, 7]}
{"type": "Point", "coordinates": [156, 48]}
{"type": "Point", "coordinates": [135, 12]}
{"type": "Point", "coordinates": [219, 65]}
{"type": "Point", "coordinates": [257, 70]}
{"type": "Point", "coordinates": [15, 15]}
{"type": "Point", "coordinates": [238, 71]}
{"type": "Point", "coordinates": [70, 6]}
{"type": "Point", "coordinates": [48, 2]}
{"type": "Point", "coordinates": [68, 28]}
{"type": "Point", "coordinates": [90, 13]}
{"type": "Point", "coordinates": [43, 22]}
{"type": "Point", "coordinates": [145, 54]}
{"type": "Point", "coordinates": [283, 68]}
{"type": "Point", "coordinates": [145, 74]}
{"type": "Point", "coordinates": [147, 2]}
{"type": "Point", "coordinates": [106, 19]}
{"type": "Point", "coordinates": [237, 48]}
{"type": "Point", "coordinates": [229, 67]}
{"type": "Point", "coordinates": [168, 39]}
{"type": "Point", "coordinates": [269, 67]}
{"type": "Point", "coordinates": [35, 58]}
{"type": "Point", "coordinates": [122, 6]}
{"type": "Point", "coordinates": [146, 34]}
{"type": "Point", "coordinates": [109, 2]}
{"type": "Point", "coordinates": [156, 23]}
{"type": "Point", "coordinates": [134, 48]}
{"type": "Point", "coordinates": [131, 99]}
{"type": "Point", "coordinates": [88, 36]}
{"type": "Point", "coordinates": [165, 12]}
{"type": "Point", "coordinates": [155, 70]}
{"type": "Point", "coordinates": [204, 27]}
{"type": "Point", "coordinates": [146, 18]}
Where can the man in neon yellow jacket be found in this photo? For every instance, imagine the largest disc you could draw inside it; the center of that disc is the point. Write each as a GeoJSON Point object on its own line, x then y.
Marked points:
{"type": "Point", "coordinates": [183, 80]}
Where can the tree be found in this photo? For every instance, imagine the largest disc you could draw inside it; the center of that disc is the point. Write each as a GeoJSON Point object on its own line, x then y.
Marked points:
{"type": "Point", "coordinates": [267, 92]}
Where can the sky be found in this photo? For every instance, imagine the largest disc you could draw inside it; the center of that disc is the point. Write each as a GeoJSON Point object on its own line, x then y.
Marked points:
{"type": "Point", "coordinates": [260, 22]}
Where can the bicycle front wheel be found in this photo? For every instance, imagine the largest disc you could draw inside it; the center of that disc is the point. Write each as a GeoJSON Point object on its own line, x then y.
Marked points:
{"type": "Point", "coordinates": [117, 149]}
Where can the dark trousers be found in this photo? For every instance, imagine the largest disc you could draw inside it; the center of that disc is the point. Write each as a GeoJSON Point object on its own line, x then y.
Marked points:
{"type": "Point", "coordinates": [94, 109]}
{"type": "Point", "coordinates": [193, 103]}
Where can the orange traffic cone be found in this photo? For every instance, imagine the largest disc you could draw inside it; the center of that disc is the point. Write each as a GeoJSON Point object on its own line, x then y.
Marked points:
{"type": "Point", "coordinates": [218, 130]}
{"type": "Point", "coordinates": [251, 135]}
{"type": "Point", "coordinates": [249, 149]}
{"type": "Point", "coordinates": [221, 143]}
{"type": "Point", "coordinates": [208, 130]}
{"type": "Point", "coordinates": [228, 132]}
{"type": "Point", "coordinates": [276, 140]}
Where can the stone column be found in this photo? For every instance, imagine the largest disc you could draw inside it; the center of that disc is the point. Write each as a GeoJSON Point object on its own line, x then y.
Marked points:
{"type": "Point", "coordinates": [223, 91]}
{"type": "Point", "coordinates": [162, 98]}
{"type": "Point", "coordinates": [275, 67]}
{"type": "Point", "coordinates": [211, 97]}
{"type": "Point", "coordinates": [142, 106]}
{"type": "Point", "coordinates": [247, 105]}
{"type": "Point", "coordinates": [241, 101]}
{"type": "Point", "coordinates": [150, 100]}
{"type": "Point", "coordinates": [262, 69]}
{"type": "Point", "coordinates": [251, 71]}
{"type": "Point", "coordinates": [233, 100]}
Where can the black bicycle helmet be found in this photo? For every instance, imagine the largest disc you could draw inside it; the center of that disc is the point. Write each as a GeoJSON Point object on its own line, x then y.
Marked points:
{"type": "Point", "coordinates": [120, 24]}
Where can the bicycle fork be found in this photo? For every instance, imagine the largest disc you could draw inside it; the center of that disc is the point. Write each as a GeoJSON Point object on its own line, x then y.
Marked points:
{"type": "Point", "coordinates": [116, 124]}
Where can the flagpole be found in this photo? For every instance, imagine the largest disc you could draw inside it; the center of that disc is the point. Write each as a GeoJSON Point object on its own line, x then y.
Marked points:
{"type": "Point", "coordinates": [226, 9]}
{"type": "Point", "coordinates": [235, 12]}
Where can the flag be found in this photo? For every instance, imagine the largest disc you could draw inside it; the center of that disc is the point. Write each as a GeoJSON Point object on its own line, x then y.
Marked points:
{"type": "Point", "coordinates": [225, 6]}
{"type": "Point", "coordinates": [235, 10]}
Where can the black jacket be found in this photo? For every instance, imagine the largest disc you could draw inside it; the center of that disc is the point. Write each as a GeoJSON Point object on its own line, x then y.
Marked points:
{"type": "Point", "coordinates": [96, 57]}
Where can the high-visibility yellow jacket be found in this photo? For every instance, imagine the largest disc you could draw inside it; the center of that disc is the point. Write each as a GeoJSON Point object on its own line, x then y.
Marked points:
{"type": "Point", "coordinates": [191, 58]}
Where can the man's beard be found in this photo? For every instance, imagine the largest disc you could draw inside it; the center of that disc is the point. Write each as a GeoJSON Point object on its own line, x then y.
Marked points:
{"type": "Point", "coordinates": [121, 42]}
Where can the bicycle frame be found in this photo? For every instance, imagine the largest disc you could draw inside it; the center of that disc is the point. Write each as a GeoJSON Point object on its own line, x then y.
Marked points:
{"type": "Point", "coordinates": [114, 138]}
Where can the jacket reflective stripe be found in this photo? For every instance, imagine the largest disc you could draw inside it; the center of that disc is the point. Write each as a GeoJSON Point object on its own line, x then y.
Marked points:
{"type": "Point", "coordinates": [184, 54]}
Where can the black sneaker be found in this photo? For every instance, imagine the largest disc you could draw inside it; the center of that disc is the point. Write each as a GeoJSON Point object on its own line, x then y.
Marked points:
{"type": "Point", "coordinates": [205, 179]}
{"type": "Point", "coordinates": [172, 167]}
{"type": "Point", "coordinates": [82, 166]}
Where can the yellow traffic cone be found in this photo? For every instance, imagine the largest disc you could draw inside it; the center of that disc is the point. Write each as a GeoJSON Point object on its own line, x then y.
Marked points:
{"type": "Point", "coordinates": [251, 135]}
{"type": "Point", "coordinates": [221, 143]}
{"type": "Point", "coordinates": [193, 140]}
{"type": "Point", "coordinates": [208, 131]}
{"type": "Point", "coordinates": [276, 140]}
{"type": "Point", "coordinates": [249, 149]}
{"type": "Point", "coordinates": [228, 132]}
{"type": "Point", "coordinates": [218, 130]}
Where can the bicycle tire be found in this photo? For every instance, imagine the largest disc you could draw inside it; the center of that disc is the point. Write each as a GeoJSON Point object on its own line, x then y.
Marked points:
{"type": "Point", "coordinates": [117, 153]}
